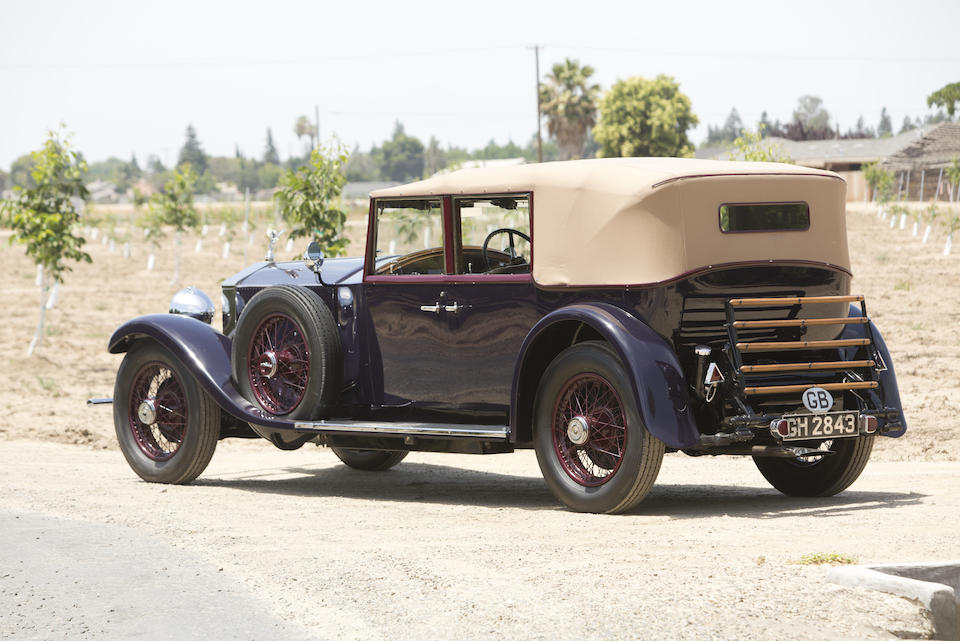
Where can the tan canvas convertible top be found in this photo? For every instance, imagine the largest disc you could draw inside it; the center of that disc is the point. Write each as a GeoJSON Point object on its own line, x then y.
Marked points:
{"type": "Point", "coordinates": [624, 221]}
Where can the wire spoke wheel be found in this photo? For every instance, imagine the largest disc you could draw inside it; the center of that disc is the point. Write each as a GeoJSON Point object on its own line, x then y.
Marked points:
{"type": "Point", "coordinates": [589, 429]}
{"type": "Point", "coordinates": [592, 444]}
{"type": "Point", "coordinates": [278, 364]}
{"type": "Point", "coordinates": [157, 411]}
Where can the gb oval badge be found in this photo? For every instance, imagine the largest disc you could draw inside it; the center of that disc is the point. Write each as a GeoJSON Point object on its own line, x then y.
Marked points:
{"type": "Point", "coordinates": [817, 400]}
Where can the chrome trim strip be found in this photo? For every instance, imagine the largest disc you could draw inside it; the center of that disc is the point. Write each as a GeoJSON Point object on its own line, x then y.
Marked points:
{"type": "Point", "coordinates": [99, 401]}
{"type": "Point", "coordinates": [491, 432]}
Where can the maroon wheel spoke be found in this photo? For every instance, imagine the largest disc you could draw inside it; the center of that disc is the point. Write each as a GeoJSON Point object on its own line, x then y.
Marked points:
{"type": "Point", "coordinates": [157, 411]}
{"type": "Point", "coordinates": [279, 364]}
{"type": "Point", "coordinates": [589, 432]}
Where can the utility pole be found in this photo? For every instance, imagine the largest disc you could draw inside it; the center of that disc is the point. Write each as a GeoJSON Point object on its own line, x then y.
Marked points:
{"type": "Point", "coordinates": [316, 119]}
{"type": "Point", "coordinates": [536, 58]}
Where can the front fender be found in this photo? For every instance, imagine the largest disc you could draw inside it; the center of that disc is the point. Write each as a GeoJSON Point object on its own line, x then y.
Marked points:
{"type": "Point", "coordinates": [202, 350]}
{"type": "Point", "coordinates": [889, 392]}
{"type": "Point", "coordinates": [656, 377]}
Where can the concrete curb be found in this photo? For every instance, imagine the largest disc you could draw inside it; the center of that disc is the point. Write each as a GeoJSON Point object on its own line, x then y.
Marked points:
{"type": "Point", "coordinates": [935, 585]}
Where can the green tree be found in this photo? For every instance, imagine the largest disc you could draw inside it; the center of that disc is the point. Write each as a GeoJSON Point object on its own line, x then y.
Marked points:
{"type": "Point", "coordinates": [879, 180]}
{"type": "Point", "coordinates": [641, 117]}
{"type": "Point", "coordinates": [810, 113]}
{"type": "Point", "coordinates": [303, 128]}
{"type": "Point", "coordinates": [44, 217]}
{"type": "Point", "coordinates": [434, 157]}
{"type": "Point", "coordinates": [861, 130]}
{"type": "Point", "coordinates": [569, 103]}
{"type": "Point", "coordinates": [4, 180]}
{"type": "Point", "coordinates": [908, 125]}
{"type": "Point", "coordinates": [269, 175]}
{"type": "Point", "coordinates": [952, 174]}
{"type": "Point", "coordinates": [752, 146]}
{"type": "Point", "coordinates": [730, 130]}
{"type": "Point", "coordinates": [174, 206]}
{"type": "Point", "coordinates": [192, 153]}
{"type": "Point", "coordinates": [947, 97]}
{"type": "Point", "coordinates": [21, 171]}
{"type": "Point", "coordinates": [308, 199]}
{"type": "Point", "coordinates": [155, 165]}
{"type": "Point", "coordinates": [401, 158]}
{"type": "Point", "coordinates": [270, 154]}
{"type": "Point", "coordinates": [885, 126]}
{"type": "Point", "coordinates": [360, 166]}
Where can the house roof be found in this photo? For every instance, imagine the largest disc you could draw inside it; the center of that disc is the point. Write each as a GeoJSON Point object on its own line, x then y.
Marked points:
{"type": "Point", "coordinates": [822, 153]}
{"type": "Point", "coordinates": [937, 148]}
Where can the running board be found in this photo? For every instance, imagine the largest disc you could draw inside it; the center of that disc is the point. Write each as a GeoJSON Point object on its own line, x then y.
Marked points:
{"type": "Point", "coordinates": [428, 430]}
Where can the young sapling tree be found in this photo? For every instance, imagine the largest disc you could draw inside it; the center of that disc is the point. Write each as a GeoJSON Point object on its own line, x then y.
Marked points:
{"type": "Point", "coordinates": [952, 174]}
{"type": "Point", "coordinates": [880, 181]}
{"type": "Point", "coordinates": [917, 215]}
{"type": "Point", "coordinates": [930, 215]}
{"type": "Point", "coordinates": [953, 224]}
{"type": "Point", "coordinates": [753, 147]}
{"type": "Point", "coordinates": [308, 199]}
{"type": "Point", "coordinates": [174, 206]}
{"type": "Point", "coordinates": [44, 217]}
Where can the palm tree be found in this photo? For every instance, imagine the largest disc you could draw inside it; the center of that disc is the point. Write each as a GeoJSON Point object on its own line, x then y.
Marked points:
{"type": "Point", "coordinates": [570, 106]}
{"type": "Point", "coordinates": [304, 129]}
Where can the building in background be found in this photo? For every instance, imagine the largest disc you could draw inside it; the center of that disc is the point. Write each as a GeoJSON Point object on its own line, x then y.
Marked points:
{"type": "Point", "coordinates": [916, 156]}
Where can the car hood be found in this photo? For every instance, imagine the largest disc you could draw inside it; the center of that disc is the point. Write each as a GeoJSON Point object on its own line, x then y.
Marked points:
{"type": "Point", "coordinates": [335, 271]}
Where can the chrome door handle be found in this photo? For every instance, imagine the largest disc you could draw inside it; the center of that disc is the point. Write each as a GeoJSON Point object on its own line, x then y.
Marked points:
{"type": "Point", "coordinates": [452, 309]}
{"type": "Point", "coordinates": [433, 309]}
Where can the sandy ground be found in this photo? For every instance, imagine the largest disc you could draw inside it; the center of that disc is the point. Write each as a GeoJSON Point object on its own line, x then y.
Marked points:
{"type": "Point", "coordinates": [475, 544]}
{"type": "Point", "coordinates": [457, 546]}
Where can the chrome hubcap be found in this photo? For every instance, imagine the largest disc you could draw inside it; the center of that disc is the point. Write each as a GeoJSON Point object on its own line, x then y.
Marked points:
{"type": "Point", "coordinates": [268, 364]}
{"type": "Point", "coordinates": [147, 412]}
{"type": "Point", "coordinates": [578, 431]}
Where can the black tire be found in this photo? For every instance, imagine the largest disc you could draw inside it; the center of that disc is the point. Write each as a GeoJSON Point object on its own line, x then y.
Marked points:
{"type": "Point", "coordinates": [828, 476]}
{"type": "Point", "coordinates": [615, 467]}
{"type": "Point", "coordinates": [369, 460]}
{"type": "Point", "coordinates": [179, 441]}
{"type": "Point", "coordinates": [307, 384]}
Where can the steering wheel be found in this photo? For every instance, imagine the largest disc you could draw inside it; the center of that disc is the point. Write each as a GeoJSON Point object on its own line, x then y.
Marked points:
{"type": "Point", "coordinates": [512, 250]}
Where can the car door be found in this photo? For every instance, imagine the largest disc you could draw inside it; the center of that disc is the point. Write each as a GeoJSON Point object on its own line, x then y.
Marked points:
{"type": "Point", "coordinates": [447, 321]}
{"type": "Point", "coordinates": [406, 347]}
{"type": "Point", "coordinates": [490, 305]}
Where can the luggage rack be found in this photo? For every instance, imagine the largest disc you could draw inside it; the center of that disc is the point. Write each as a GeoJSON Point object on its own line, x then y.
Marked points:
{"type": "Point", "coordinates": [859, 373]}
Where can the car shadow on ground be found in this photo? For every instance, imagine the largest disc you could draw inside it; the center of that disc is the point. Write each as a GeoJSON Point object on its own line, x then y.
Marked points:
{"type": "Point", "coordinates": [697, 501]}
{"type": "Point", "coordinates": [431, 483]}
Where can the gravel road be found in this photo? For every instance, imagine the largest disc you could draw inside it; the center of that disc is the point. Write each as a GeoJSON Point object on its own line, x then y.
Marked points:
{"type": "Point", "coordinates": [294, 545]}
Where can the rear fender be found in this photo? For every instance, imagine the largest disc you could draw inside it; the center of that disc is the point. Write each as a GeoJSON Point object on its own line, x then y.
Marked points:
{"type": "Point", "coordinates": [204, 351]}
{"type": "Point", "coordinates": [654, 373]}
{"type": "Point", "coordinates": [889, 392]}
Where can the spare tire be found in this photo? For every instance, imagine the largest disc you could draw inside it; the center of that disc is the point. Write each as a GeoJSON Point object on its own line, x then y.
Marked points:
{"type": "Point", "coordinates": [287, 356]}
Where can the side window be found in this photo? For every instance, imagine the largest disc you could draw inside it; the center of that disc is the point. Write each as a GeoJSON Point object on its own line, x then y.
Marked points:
{"type": "Point", "coordinates": [409, 237]}
{"type": "Point", "coordinates": [494, 234]}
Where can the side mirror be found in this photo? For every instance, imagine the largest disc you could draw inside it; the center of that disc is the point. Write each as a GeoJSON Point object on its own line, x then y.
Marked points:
{"type": "Point", "coordinates": [315, 254]}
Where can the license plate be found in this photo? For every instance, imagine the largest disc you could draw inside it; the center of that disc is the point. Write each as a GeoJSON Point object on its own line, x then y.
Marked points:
{"type": "Point", "coordinates": [805, 427]}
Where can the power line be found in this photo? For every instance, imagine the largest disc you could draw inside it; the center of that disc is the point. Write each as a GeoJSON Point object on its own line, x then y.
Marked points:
{"type": "Point", "coordinates": [749, 55]}
{"type": "Point", "coordinates": [485, 115]}
{"type": "Point", "coordinates": [226, 63]}
{"type": "Point", "coordinates": [180, 64]}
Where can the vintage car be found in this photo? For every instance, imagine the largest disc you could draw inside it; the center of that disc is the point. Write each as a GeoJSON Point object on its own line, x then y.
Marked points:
{"type": "Point", "coordinates": [601, 312]}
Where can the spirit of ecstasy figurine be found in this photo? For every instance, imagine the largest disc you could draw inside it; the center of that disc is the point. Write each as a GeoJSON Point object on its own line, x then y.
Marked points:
{"type": "Point", "coordinates": [274, 236]}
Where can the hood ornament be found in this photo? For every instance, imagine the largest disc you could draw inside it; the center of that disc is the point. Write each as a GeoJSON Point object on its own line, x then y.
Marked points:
{"type": "Point", "coordinates": [274, 236]}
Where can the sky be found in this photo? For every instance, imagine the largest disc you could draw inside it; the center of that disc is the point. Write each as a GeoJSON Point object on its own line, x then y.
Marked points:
{"type": "Point", "coordinates": [128, 77]}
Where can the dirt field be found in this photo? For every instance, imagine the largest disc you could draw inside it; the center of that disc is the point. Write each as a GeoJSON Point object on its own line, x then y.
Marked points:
{"type": "Point", "coordinates": [426, 549]}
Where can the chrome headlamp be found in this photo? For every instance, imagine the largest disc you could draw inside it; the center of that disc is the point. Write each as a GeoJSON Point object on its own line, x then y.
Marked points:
{"type": "Point", "coordinates": [192, 302]}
